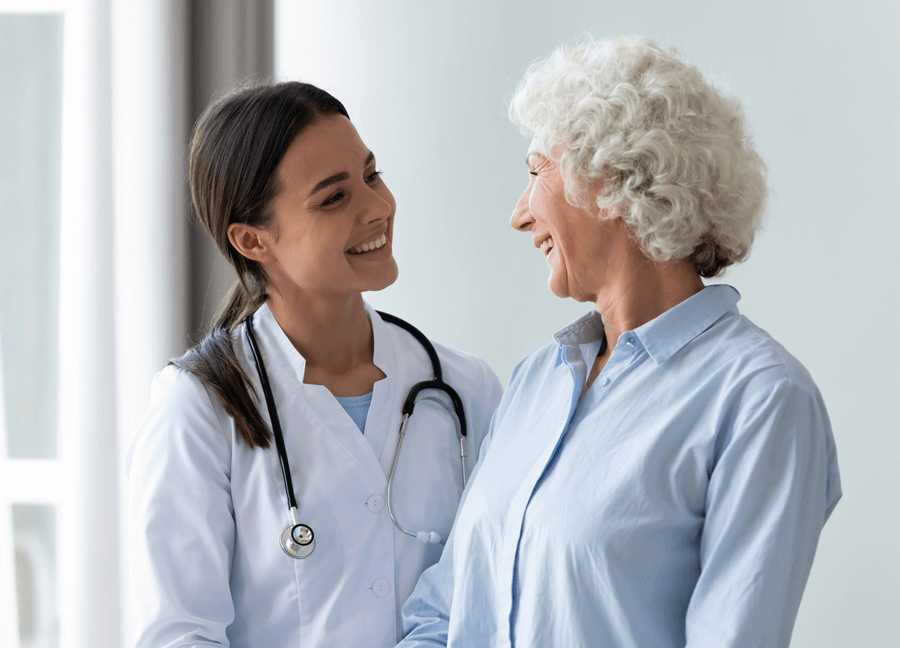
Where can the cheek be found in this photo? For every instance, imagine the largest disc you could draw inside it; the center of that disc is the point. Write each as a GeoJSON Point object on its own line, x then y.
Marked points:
{"type": "Point", "coordinates": [556, 198]}
{"type": "Point", "coordinates": [538, 202]}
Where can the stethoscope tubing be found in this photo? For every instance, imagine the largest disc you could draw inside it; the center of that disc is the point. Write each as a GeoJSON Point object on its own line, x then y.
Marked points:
{"type": "Point", "coordinates": [273, 415]}
{"type": "Point", "coordinates": [298, 540]}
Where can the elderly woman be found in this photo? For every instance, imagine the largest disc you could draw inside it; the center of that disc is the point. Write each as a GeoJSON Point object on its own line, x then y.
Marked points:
{"type": "Point", "coordinates": [659, 474]}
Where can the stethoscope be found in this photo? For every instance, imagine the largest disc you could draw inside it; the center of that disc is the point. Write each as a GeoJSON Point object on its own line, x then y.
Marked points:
{"type": "Point", "coordinates": [298, 540]}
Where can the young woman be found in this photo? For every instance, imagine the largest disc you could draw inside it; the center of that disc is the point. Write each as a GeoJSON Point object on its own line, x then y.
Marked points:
{"type": "Point", "coordinates": [269, 504]}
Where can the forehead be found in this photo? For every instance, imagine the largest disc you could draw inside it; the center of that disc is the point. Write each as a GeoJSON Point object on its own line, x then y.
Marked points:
{"type": "Point", "coordinates": [327, 146]}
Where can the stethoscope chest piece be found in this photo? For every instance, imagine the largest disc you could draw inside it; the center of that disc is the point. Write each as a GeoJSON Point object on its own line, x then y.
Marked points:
{"type": "Point", "coordinates": [298, 541]}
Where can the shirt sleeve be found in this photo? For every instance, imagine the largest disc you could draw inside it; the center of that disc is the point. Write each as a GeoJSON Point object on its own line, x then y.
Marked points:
{"type": "Point", "coordinates": [770, 492]}
{"type": "Point", "coordinates": [181, 518]}
{"type": "Point", "coordinates": [426, 614]}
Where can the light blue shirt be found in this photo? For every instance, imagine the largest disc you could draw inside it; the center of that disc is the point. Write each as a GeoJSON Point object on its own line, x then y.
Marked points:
{"type": "Point", "coordinates": [679, 502]}
{"type": "Point", "coordinates": [357, 408]}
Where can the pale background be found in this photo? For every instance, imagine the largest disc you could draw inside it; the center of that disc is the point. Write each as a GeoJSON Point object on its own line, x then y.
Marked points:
{"type": "Point", "coordinates": [131, 280]}
{"type": "Point", "coordinates": [427, 85]}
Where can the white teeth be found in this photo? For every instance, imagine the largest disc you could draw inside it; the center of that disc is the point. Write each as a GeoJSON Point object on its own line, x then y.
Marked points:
{"type": "Point", "coordinates": [371, 245]}
{"type": "Point", "coordinates": [546, 245]}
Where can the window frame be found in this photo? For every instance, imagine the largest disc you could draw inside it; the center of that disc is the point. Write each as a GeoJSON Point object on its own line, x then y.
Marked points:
{"type": "Point", "coordinates": [47, 481]}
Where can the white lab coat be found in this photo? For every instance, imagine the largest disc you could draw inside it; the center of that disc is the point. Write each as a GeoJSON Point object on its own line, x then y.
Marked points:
{"type": "Point", "coordinates": [207, 513]}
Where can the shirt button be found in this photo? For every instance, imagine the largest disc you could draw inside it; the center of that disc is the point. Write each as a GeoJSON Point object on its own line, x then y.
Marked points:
{"type": "Point", "coordinates": [381, 588]}
{"type": "Point", "coordinates": [604, 382]}
{"type": "Point", "coordinates": [375, 503]}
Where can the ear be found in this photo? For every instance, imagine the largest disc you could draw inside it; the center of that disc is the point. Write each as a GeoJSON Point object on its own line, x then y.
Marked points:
{"type": "Point", "coordinates": [250, 241]}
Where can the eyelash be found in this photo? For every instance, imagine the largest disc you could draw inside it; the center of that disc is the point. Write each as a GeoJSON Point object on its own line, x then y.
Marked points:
{"type": "Point", "coordinates": [331, 200]}
{"type": "Point", "coordinates": [534, 173]}
{"type": "Point", "coordinates": [328, 202]}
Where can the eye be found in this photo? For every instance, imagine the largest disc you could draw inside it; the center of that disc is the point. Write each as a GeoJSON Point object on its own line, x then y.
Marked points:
{"type": "Point", "coordinates": [534, 173]}
{"type": "Point", "coordinates": [334, 198]}
{"type": "Point", "coordinates": [373, 177]}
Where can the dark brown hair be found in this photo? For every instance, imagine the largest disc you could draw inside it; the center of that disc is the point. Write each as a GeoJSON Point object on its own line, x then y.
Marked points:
{"type": "Point", "coordinates": [237, 145]}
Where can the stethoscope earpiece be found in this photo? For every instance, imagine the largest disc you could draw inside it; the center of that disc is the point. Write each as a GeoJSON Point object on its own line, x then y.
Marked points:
{"type": "Point", "coordinates": [431, 537]}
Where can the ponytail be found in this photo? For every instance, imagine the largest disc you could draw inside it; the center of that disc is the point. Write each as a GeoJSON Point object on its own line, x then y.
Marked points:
{"type": "Point", "coordinates": [215, 364]}
{"type": "Point", "coordinates": [237, 145]}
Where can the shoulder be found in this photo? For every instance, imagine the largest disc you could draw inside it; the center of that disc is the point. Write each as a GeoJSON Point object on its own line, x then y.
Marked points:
{"type": "Point", "coordinates": [529, 380]}
{"type": "Point", "coordinates": [459, 367]}
{"type": "Point", "coordinates": [182, 418]}
{"type": "Point", "coordinates": [472, 378]}
{"type": "Point", "coordinates": [747, 373]}
{"type": "Point", "coordinates": [753, 359]}
{"type": "Point", "coordinates": [534, 366]}
{"type": "Point", "coordinates": [462, 363]}
{"type": "Point", "coordinates": [177, 392]}
{"type": "Point", "coordinates": [772, 398]}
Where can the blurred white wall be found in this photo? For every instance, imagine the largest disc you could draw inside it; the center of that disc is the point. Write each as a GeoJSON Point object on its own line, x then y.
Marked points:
{"type": "Point", "coordinates": [427, 85]}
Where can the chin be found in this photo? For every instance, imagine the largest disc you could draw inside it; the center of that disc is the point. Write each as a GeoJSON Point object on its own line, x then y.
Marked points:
{"type": "Point", "coordinates": [385, 278]}
{"type": "Point", "coordinates": [556, 289]}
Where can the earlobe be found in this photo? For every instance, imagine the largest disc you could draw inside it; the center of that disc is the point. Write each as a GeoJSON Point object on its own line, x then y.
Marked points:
{"type": "Point", "coordinates": [248, 241]}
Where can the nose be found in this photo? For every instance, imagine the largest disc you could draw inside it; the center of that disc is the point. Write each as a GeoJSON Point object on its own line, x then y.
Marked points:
{"type": "Point", "coordinates": [522, 219]}
{"type": "Point", "coordinates": [379, 206]}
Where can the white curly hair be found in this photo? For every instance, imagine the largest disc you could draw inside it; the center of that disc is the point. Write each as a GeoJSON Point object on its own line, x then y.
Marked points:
{"type": "Point", "coordinates": [676, 162]}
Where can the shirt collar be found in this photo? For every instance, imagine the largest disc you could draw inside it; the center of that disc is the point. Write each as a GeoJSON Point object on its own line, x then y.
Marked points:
{"type": "Point", "coordinates": [667, 334]}
{"type": "Point", "coordinates": [584, 332]}
{"type": "Point", "coordinates": [586, 329]}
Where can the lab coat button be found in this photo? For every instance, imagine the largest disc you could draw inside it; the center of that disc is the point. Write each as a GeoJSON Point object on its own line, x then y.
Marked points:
{"type": "Point", "coordinates": [375, 503]}
{"type": "Point", "coordinates": [381, 588]}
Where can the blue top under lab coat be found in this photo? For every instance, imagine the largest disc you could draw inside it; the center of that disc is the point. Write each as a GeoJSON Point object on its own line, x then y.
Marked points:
{"type": "Point", "coordinates": [678, 503]}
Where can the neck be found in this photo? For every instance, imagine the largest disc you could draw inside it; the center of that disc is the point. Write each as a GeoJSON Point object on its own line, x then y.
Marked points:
{"type": "Point", "coordinates": [333, 334]}
{"type": "Point", "coordinates": [641, 290]}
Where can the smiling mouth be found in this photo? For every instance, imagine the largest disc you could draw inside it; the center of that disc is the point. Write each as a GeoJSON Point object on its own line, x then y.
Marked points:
{"type": "Point", "coordinates": [546, 245]}
{"type": "Point", "coordinates": [371, 246]}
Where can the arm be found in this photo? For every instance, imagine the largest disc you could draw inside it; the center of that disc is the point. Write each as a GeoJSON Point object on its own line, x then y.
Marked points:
{"type": "Point", "coordinates": [426, 614]}
{"type": "Point", "coordinates": [181, 518]}
{"type": "Point", "coordinates": [773, 486]}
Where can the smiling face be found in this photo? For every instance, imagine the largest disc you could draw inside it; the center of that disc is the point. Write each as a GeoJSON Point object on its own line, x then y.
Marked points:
{"type": "Point", "coordinates": [579, 245]}
{"type": "Point", "coordinates": [333, 226]}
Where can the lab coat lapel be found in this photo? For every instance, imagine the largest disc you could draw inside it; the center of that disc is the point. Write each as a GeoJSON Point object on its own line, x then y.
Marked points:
{"type": "Point", "coordinates": [383, 422]}
{"type": "Point", "coordinates": [290, 365]}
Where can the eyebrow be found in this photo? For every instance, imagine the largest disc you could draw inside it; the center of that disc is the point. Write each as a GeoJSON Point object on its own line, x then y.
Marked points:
{"type": "Point", "coordinates": [532, 154]}
{"type": "Point", "coordinates": [338, 177]}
